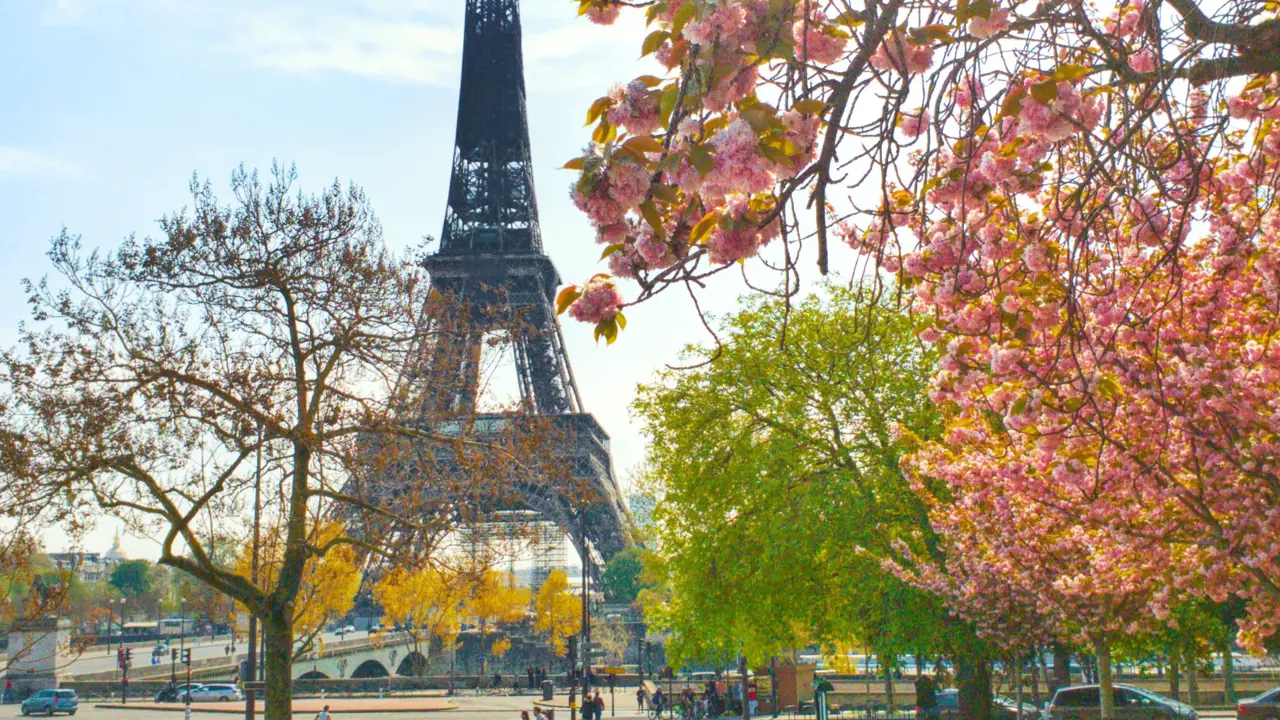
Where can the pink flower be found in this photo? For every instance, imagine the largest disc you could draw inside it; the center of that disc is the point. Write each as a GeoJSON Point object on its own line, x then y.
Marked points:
{"type": "Point", "coordinates": [914, 124]}
{"type": "Point", "coordinates": [603, 12]}
{"type": "Point", "coordinates": [628, 182]}
{"type": "Point", "coordinates": [898, 53]}
{"type": "Point", "coordinates": [1143, 61]}
{"type": "Point", "coordinates": [600, 300]}
{"type": "Point", "coordinates": [813, 42]}
{"type": "Point", "coordinates": [969, 91]}
{"type": "Point", "coordinates": [982, 28]}
{"type": "Point", "coordinates": [635, 108]}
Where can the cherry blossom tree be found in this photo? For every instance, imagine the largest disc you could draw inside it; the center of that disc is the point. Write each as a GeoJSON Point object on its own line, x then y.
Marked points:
{"type": "Point", "coordinates": [1080, 201]}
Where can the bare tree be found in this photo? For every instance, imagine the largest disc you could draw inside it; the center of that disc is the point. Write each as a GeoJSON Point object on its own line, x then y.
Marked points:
{"type": "Point", "coordinates": [275, 338]}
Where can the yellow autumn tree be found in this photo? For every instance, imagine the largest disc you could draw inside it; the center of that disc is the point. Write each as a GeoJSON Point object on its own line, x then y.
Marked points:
{"type": "Point", "coordinates": [557, 612]}
{"type": "Point", "coordinates": [329, 582]}
{"type": "Point", "coordinates": [425, 602]}
{"type": "Point", "coordinates": [496, 599]}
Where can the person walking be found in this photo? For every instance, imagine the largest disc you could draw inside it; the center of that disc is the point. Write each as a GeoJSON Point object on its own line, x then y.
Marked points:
{"type": "Point", "coordinates": [528, 669]}
{"type": "Point", "coordinates": [640, 697]}
{"type": "Point", "coordinates": [524, 715]}
{"type": "Point", "coordinates": [599, 703]}
{"type": "Point", "coordinates": [588, 706]}
{"type": "Point", "coordinates": [927, 698]}
{"type": "Point", "coordinates": [324, 714]}
{"type": "Point", "coordinates": [752, 698]}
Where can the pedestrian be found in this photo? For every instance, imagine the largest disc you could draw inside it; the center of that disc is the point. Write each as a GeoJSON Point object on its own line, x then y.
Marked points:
{"type": "Point", "coordinates": [538, 714]}
{"type": "Point", "coordinates": [752, 698]}
{"type": "Point", "coordinates": [524, 715]}
{"type": "Point", "coordinates": [528, 669]}
{"type": "Point", "coordinates": [599, 703]}
{"type": "Point", "coordinates": [324, 714]}
{"type": "Point", "coordinates": [497, 681]}
{"type": "Point", "coordinates": [640, 697]}
{"type": "Point", "coordinates": [588, 706]}
{"type": "Point", "coordinates": [927, 697]}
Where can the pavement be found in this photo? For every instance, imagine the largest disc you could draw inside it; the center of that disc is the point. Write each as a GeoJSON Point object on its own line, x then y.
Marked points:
{"type": "Point", "coordinates": [100, 659]}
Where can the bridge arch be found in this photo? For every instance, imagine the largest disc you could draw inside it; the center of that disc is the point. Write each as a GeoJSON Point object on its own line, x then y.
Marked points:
{"type": "Point", "coordinates": [370, 669]}
{"type": "Point", "coordinates": [313, 675]}
{"type": "Point", "coordinates": [413, 664]}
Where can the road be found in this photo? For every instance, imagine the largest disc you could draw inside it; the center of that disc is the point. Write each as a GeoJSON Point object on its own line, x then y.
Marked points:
{"type": "Point", "coordinates": [469, 708]}
{"type": "Point", "coordinates": [99, 659]}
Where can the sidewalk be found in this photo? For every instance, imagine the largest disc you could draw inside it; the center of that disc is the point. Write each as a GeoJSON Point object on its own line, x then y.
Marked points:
{"type": "Point", "coordinates": [303, 706]}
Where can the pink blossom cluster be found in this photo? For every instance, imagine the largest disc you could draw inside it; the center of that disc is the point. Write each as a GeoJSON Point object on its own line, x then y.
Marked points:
{"type": "Point", "coordinates": [984, 27]}
{"type": "Point", "coordinates": [739, 236]}
{"type": "Point", "coordinates": [635, 108]}
{"type": "Point", "coordinates": [600, 300]}
{"type": "Point", "coordinates": [900, 54]}
{"type": "Point", "coordinates": [817, 42]}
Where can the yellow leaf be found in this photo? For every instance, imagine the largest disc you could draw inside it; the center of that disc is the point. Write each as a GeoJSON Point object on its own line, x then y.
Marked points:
{"type": "Point", "coordinates": [683, 15]}
{"type": "Point", "coordinates": [621, 320]}
{"type": "Point", "coordinates": [644, 143]}
{"type": "Point", "coordinates": [649, 80]}
{"type": "Point", "coordinates": [651, 215]}
{"type": "Point", "coordinates": [1071, 72]}
{"type": "Point", "coordinates": [1045, 92]}
{"type": "Point", "coordinates": [653, 41]}
{"type": "Point", "coordinates": [576, 164]}
{"type": "Point", "coordinates": [567, 297]}
{"type": "Point", "coordinates": [810, 106]}
{"type": "Point", "coordinates": [598, 108]}
{"type": "Point", "coordinates": [704, 226]}
{"type": "Point", "coordinates": [604, 132]}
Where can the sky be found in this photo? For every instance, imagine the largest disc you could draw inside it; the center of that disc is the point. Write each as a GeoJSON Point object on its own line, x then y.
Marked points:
{"type": "Point", "coordinates": [107, 108]}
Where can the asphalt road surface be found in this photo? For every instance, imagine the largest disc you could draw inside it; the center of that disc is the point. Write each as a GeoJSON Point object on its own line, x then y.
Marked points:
{"type": "Point", "coordinates": [99, 659]}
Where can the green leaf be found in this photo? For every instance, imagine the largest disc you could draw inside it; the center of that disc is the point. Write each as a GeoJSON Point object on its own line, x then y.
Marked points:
{"type": "Point", "coordinates": [1012, 104]}
{"type": "Point", "coordinates": [1045, 92]}
{"type": "Point", "coordinates": [683, 15]}
{"type": "Point", "coordinates": [1109, 388]}
{"type": "Point", "coordinates": [651, 215]}
{"type": "Point", "coordinates": [667, 103]}
{"type": "Point", "coordinates": [653, 41]}
{"type": "Point", "coordinates": [1073, 404]}
{"type": "Point", "coordinates": [702, 159]}
{"type": "Point", "coordinates": [608, 329]}
{"type": "Point", "coordinates": [616, 247]}
{"type": "Point", "coordinates": [567, 297]}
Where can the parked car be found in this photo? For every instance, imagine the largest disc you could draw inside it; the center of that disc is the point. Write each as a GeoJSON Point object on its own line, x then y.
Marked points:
{"type": "Point", "coordinates": [1003, 708]}
{"type": "Point", "coordinates": [347, 629]}
{"type": "Point", "coordinates": [172, 694]}
{"type": "Point", "coordinates": [160, 649]}
{"type": "Point", "coordinates": [1131, 703]}
{"type": "Point", "coordinates": [215, 692]}
{"type": "Point", "coordinates": [1263, 707]}
{"type": "Point", "coordinates": [48, 702]}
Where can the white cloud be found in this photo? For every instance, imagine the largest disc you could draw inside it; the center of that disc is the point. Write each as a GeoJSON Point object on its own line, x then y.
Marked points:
{"type": "Point", "coordinates": [387, 46]}
{"type": "Point", "coordinates": [23, 162]}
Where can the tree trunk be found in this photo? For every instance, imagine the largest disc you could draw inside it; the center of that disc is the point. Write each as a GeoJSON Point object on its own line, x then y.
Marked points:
{"type": "Point", "coordinates": [1175, 675]}
{"type": "Point", "coordinates": [1017, 684]}
{"type": "Point", "coordinates": [973, 680]}
{"type": "Point", "coordinates": [1061, 668]}
{"type": "Point", "coordinates": [277, 630]}
{"type": "Point", "coordinates": [888, 687]}
{"type": "Point", "coordinates": [1193, 682]}
{"type": "Point", "coordinates": [1228, 674]}
{"type": "Point", "coordinates": [742, 673]}
{"type": "Point", "coordinates": [1106, 698]}
{"type": "Point", "coordinates": [1036, 659]}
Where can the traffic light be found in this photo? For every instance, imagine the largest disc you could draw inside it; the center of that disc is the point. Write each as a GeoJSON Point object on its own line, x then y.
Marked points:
{"type": "Point", "coordinates": [186, 656]}
{"type": "Point", "coordinates": [173, 653]}
{"type": "Point", "coordinates": [128, 657]}
{"type": "Point", "coordinates": [119, 657]}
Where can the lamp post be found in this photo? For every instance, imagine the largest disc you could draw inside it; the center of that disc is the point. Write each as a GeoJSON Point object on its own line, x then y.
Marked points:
{"type": "Point", "coordinates": [182, 622]}
{"type": "Point", "coordinates": [111, 618]}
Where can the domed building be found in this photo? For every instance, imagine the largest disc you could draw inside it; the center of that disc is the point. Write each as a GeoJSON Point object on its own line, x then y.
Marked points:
{"type": "Point", "coordinates": [115, 554]}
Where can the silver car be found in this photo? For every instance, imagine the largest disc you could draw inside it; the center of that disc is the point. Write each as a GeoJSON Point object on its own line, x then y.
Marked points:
{"type": "Point", "coordinates": [214, 692]}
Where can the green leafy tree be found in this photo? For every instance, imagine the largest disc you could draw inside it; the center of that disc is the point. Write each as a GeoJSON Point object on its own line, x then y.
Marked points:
{"type": "Point", "coordinates": [621, 579]}
{"type": "Point", "coordinates": [781, 495]}
{"type": "Point", "coordinates": [132, 578]}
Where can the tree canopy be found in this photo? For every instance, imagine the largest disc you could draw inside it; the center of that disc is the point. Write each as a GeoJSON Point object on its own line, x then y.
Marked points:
{"type": "Point", "coordinates": [131, 577]}
{"type": "Point", "coordinates": [782, 497]}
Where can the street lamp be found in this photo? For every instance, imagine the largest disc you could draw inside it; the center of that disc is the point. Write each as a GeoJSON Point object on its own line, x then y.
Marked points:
{"type": "Point", "coordinates": [111, 618]}
{"type": "Point", "coordinates": [182, 622]}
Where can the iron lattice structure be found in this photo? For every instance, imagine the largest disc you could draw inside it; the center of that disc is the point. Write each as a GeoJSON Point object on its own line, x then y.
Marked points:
{"type": "Point", "coordinates": [491, 262]}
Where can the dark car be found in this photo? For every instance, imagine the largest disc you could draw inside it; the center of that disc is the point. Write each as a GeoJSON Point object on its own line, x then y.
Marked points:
{"type": "Point", "coordinates": [1131, 703]}
{"type": "Point", "coordinates": [48, 702]}
{"type": "Point", "coordinates": [1003, 708]}
{"type": "Point", "coordinates": [171, 693]}
{"type": "Point", "coordinates": [1264, 707]}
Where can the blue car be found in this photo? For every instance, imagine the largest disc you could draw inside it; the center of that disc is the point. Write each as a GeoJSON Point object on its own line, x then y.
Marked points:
{"type": "Point", "coordinates": [48, 702]}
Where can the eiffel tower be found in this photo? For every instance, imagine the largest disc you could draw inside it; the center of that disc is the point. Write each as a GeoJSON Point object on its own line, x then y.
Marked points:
{"type": "Point", "coordinates": [491, 260]}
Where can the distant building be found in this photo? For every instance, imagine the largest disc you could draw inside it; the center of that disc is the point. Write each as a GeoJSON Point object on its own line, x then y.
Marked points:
{"type": "Point", "coordinates": [90, 567]}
